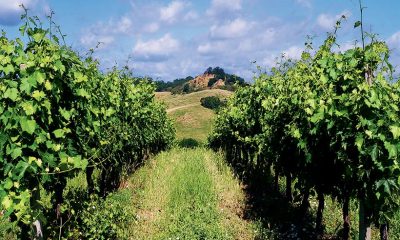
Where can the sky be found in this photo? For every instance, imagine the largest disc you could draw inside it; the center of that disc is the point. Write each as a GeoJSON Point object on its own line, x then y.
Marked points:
{"type": "Point", "coordinates": [174, 39]}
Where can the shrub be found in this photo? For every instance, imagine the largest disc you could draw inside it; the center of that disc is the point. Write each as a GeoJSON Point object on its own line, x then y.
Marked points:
{"type": "Point", "coordinates": [211, 102]}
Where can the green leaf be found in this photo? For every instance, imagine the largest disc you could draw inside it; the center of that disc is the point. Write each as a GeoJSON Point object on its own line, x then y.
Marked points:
{"type": "Point", "coordinates": [79, 77]}
{"type": "Point", "coordinates": [59, 133]}
{"type": "Point", "coordinates": [8, 183]}
{"type": "Point", "coordinates": [27, 84]}
{"type": "Point", "coordinates": [58, 65]}
{"type": "Point", "coordinates": [11, 93]}
{"type": "Point", "coordinates": [21, 169]}
{"type": "Point", "coordinates": [17, 152]}
{"type": "Point", "coordinates": [39, 76]}
{"type": "Point", "coordinates": [82, 92]}
{"type": "Point", "coordinates": [8, 69]}
{"type": "Point", "coordinates": [38, 95]}
{"type": "Point", "coordinates": [28, 108]}
{"type": "Point", "coordinates": [359, 141]}
{"type": "Point", "coordinates": [323, 79]}
{"type": "Point", "coordinates": [369, 133]}
{"type": "Point", "coordinates": [38, 36]}
{"type": "Point", "coordinates": [395, 130]}
{"type": "Point", "coordinates": [66, 114]}
{"type": "Point", "coordinates": [28, 126]}
{"type": "Point", "coordinates": [7, 203]}
{"type": "Point", "coordinates": [391, 149]}
{"type": "Point", "coordinates": [357, 24]}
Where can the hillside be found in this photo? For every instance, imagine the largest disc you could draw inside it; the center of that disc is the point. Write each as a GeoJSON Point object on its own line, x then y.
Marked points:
{"type": "Point", "coordinates": [212, 78]}
{"type": "Point", "coordinates": [192, 121]}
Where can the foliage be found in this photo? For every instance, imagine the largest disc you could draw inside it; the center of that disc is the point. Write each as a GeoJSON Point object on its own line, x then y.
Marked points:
{"type": "Point", "coordinates": [219, 73]}
{"type": "Point", "coordinates": [104, 219]}
{"type": "Point", "coordinates": [328, 120]}
{"type": "Point", "coordinates": [60, 115]}
{"type": "Point", "coordinates": [212, 102]}
{"type": "Point", "coordinates": [162, 86]}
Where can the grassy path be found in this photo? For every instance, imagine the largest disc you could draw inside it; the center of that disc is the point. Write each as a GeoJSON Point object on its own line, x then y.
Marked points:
{"type": "Point", "coordinates": [180, 107]}
{"type": "Point", "coordinates": [188, 194]}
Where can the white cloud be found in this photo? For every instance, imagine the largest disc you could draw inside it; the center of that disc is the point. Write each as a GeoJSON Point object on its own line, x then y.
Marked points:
{"type": "Point", "coordinates": [269, 61]}
{"type": "Point", "coordinates": [214, 47]}
{"type": "Point", "coordinates": [394, 40]}
{"type": "Point", "coordinates": [346, 46]}
{"type": "Point", "coordinates": [293, 52]}
{"type": "Point", "coordinates": [11, 10]}
{"type": "Point", "coordinates": [91, 40]}
{"type": "Point", "coordinates": [328, 22]}
{"type": "Point", "coordinates": [233, 29]}
{"type": "Point", "coordinates": [171, 12]}
{"type": "Point", "coordinates": [106, 32]}
{"type": "Point", "coordinates": [13, 5]}
{"type": "Point", "coordinates": [220, 6]}
{"type": "Point", "coordinates": [156, 48]}
{"type": "Point", "coordinates": [151, 27]}
{"type": "Point", "coordinates": [123, 25]}
{"type": "Point", "coordinates": [305, 3]}
{"type": "Point", "coordinates": [191, 15]}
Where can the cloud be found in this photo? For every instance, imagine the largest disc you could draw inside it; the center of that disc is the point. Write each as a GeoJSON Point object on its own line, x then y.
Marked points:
{"type": "Point", "coordinates": [191, 15]}
{"type": "Point", "coordinates": [394, 40]}
{"type": "Point", "coordinates": [343, 47]}
{"type": "Point", "coordinates": [91, 40]}
{"type": "Point", "coordinates": [212, 48]}
{"type": "Point", "coordinates": [221, 6]}
{"type": "Point", "coordinates": [106, 32]}
{"type": "Point", "coordinates": [293, 52]}
{"type": "Point", "coordinates": [232, 29]}
{"type": "Point", "coordinates": [328, 22]}
{"type": "Point", "coordinates": [171, 39]}
{"type": "Point", "coordinates": [305, 3]}
{"type": "Point", "coordinates": [171, 13]}
{"type": "Point", "coordinates": [156, 49]}
{"type": "Point", "coordinates": [123, 25]}
{"type": "Point", "coordinates": [10, 10]}
{"type": "Point", "coordinates": [151, 27]}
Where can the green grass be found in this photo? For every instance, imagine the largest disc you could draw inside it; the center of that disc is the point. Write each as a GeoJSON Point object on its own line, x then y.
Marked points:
{"type": "Point", "coordinates": [188, 194]}
{"type": "Point", "coordinates": [193, 123]}
{"type": "Point", "coordinates": [191, 212]}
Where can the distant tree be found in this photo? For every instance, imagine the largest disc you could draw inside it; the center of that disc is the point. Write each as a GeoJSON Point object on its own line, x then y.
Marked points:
{"type": "Point", "coordinates": [168, 86]}
{"type": "Point", "coordinates": [208, 71]}
{"type": "Point", "coordinates": [186, 88]}
{"type": "Point", "coordinates": [212, 102]}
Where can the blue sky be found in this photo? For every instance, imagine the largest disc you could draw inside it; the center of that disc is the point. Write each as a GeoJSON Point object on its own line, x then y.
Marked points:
{"type": "Point", "coordinates": [173, 39]}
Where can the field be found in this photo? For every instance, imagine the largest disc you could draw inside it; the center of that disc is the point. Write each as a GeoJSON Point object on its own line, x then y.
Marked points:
{"type": "Point", "coordinates": [192, 121]}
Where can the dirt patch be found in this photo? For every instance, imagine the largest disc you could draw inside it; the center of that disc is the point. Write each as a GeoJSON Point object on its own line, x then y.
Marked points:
{"type": "Point", "coordinates": [187, 120]}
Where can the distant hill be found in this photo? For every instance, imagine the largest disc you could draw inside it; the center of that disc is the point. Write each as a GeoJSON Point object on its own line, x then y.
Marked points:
{"type": "Point", "coordinates": [192, 120]}
{"type": "Point", "coordinates": [212, 78]}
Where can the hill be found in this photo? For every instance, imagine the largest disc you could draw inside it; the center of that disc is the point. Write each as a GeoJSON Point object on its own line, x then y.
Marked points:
{"type": "Point", "coordinates": [192, 120]}
{"type": "Point", "coordinates": [212, 78]}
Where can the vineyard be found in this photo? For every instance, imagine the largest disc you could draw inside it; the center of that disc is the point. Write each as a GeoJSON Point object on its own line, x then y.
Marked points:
{"type": "Point", "coordinates": [329, 125]}
{"type": "Point", "coordinates": [88, 153]}
{"type": "Point", "coordinates": [61, 117]}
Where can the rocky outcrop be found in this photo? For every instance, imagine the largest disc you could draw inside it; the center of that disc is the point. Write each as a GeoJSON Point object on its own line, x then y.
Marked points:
{"type": "Point", "coordinates": [203, 82]}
